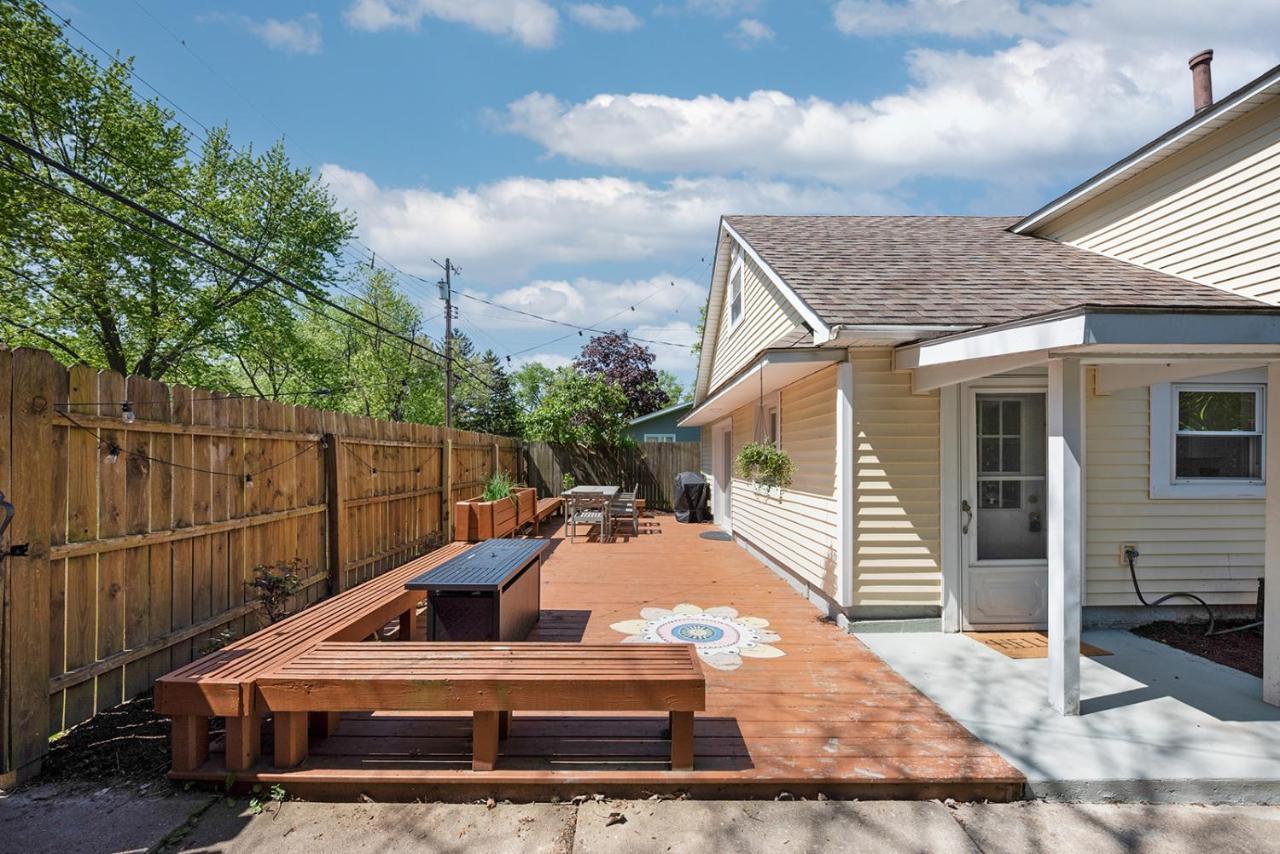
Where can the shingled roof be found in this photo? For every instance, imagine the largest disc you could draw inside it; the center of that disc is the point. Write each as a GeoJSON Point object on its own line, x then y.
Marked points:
{"type": "Point", "coordinates": [954, 270]}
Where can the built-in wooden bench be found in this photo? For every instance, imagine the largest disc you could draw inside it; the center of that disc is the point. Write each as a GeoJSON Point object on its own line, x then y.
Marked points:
{"type": "Point", "coordinates": [224, 682]}
{"type": "Point", "coordinates": [548, 507]}
{"type": "Point", "coordinates": [489, 680]}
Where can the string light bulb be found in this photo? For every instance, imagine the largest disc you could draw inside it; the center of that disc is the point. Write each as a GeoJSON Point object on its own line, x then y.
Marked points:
{"type": "Point", "coordinates": [375, 471]}
{"type": "Point", "coordinates": [248, 480]}
{"type": "Point", "coordinates": [113, 454]}
{"type": "Point", "coordinates": [127, 413]}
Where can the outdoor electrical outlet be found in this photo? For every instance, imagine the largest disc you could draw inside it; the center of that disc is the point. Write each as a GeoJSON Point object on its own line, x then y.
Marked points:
{"type": "Point", "coordinates": [1124, 552]}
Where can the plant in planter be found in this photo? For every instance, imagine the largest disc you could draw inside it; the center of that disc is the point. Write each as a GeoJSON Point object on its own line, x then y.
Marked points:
{"type": "Point", "coordinates": [765, 465]}
{"type": "Point", "coordinates": [500, 510]}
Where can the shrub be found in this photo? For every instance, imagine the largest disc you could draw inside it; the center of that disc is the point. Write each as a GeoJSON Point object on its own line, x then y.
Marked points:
{"type": "Point", "coordinates": [273, 585]}
{"type": "Point", "coordinates": [498, 486]}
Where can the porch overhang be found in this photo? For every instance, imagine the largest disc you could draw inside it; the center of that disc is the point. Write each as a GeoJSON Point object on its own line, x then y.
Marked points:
{"type": "Point", "coordinates": [772, 370]}
{"type": "Point", "coordinates": [1094, 336]}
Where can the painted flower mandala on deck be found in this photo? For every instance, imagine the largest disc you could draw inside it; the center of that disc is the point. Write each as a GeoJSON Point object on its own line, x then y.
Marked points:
{"type": "Point", "coordinates": [721, 637]}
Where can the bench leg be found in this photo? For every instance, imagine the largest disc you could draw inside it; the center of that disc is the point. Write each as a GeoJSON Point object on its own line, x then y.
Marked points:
{"type": "Point", "coordinates": [406, 625]}
{"type": "Point", "coordinates": [291, 738]}
{"type": "Point", "coordinates": [681, 741]}
{"type": "Point", "coordinates": [484, 740]}
{"type": "Point", "coordinates": [189, 736]}
{"type": "Point", "coordinates": [323, 724]}
{"type": "Point", "coordinates": [244, 741]}
{"type": "Point", "coordinates": [504, 725]}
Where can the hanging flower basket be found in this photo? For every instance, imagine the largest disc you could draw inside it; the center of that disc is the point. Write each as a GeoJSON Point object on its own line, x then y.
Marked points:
{"type": "Point", "coordinates": [765, 465]}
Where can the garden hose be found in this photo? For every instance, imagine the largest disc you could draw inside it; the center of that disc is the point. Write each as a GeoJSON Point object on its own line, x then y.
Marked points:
{"type": "Point", "coordinates": [1131, 555]}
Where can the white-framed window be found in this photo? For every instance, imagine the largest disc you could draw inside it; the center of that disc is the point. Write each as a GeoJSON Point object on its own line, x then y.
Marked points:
{"type": "Point", "coordinates": [1208, 440]}
{"type": "Point", "coordinates": [735, 294]}
{"type": "Point", "coordinates": [659, 437]}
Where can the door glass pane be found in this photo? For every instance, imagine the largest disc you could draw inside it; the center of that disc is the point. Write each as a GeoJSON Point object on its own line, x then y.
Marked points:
{"type": "Point", "coordinates": [1011, 452]}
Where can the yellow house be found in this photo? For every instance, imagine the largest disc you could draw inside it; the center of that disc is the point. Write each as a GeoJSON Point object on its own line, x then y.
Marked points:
{"type": "Point", "coordinates": [1002, 422]}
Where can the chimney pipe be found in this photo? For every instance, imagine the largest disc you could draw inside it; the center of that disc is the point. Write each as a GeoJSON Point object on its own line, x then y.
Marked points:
{"type": "Point", "coordinates": [1202, 79]}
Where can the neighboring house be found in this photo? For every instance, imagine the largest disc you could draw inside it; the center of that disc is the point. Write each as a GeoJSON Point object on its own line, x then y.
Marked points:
{"type": "Point", "coordinates": [983, 412]}
{"type": "Point", "coordinates": [663, 426]}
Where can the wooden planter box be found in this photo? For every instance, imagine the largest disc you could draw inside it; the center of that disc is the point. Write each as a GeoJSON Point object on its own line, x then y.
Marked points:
{"type": "Point", "coordinates": [477, 520]}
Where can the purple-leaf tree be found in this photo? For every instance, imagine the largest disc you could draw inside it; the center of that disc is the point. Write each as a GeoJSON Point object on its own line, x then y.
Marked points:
{"type": "Point", "coordinates": [615, 358]}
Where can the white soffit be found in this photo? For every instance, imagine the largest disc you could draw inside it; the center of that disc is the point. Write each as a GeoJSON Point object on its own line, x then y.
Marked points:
{"type": "Point", "coordinates": [771, 372]}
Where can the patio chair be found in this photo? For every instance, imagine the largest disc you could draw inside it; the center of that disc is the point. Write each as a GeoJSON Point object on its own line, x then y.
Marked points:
{"type": "Point", "coordinates": [625, 508]}
{"type": "Point", "coordinates": [589, 510]}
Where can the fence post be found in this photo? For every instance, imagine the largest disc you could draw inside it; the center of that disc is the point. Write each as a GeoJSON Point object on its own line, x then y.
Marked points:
{"type": "Point", "coordinates": [26, 577]}
{"type": "Point", "coordinates": [334, 523]}
{"type": "Point", "coordinates": [446, 489]}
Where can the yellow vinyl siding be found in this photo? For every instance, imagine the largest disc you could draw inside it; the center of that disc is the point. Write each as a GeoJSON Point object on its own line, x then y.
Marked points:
{"type": "Point", "coordinates": [1209, 547]}
{"type": "Point", "coordinates": [1210, 213]}
{"type": "Point", "coordinates": [766, 317]}
{"type": "Point", "coordinates": [897, 478]}
{"type": "Point", "coordinates": [797, 529]}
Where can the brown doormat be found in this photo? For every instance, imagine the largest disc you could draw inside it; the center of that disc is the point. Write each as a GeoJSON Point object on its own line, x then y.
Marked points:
{"type": "Point", "coordinates": [1026, 644]}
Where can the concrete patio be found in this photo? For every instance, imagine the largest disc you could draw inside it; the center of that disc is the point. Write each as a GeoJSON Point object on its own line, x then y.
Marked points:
{"type": "Point", "coordinates": [1156, 724]}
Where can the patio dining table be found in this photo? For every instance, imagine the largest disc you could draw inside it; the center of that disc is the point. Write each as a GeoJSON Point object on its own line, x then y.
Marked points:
{"type": "Point", "coordinates": [594, 491]}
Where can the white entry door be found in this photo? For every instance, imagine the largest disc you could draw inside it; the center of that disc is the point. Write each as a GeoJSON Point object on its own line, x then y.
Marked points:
{"type": "Point", "coordinates": [1003, 506]}
{"type": "Point", "coordinates": [722, 475]}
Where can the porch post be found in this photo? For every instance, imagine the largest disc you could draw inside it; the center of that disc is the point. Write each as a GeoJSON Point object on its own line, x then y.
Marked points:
{"type": "Point", "coordinates": [1066, 531]}
{"type": "Point", "coordinates": [846, 451]}
{"type": "Point", "coordinates": [1271, 552]}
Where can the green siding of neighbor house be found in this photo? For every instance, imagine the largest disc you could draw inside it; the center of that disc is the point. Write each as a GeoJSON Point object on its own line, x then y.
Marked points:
{"type": "Point", "coordinates": [665, 425]}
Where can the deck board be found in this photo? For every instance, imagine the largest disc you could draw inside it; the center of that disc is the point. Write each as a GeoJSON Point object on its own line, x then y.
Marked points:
{"type": "Point", "coordinates": [827, 717]}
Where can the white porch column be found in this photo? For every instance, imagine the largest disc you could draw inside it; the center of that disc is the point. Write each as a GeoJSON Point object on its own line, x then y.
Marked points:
{"type": "Point", "coordinates": [1271, 552]}
{"type": "Point", "coordinates": [846, 451]}
{"type": "Point", "coordinates": [1066, 531]}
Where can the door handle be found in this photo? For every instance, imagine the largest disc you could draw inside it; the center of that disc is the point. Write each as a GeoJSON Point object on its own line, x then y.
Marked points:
{"type": "Point", "coordinates": [968, 516]}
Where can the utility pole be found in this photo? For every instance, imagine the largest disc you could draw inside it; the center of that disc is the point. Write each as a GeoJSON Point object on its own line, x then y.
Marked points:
{"type": "Point", "coordinates": [446, 294]}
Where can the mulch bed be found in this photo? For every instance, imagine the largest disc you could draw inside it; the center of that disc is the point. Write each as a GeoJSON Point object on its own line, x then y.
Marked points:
{"type": "Point", "coordinates": [124, 746]}
{"type": "Point", "coordinates": [1240, 650]}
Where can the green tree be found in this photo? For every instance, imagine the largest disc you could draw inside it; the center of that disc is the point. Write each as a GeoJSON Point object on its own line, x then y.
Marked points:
{"type": "Point", "coordinates": [489, 404]}
{"type": "Point", "coordinates": [582, 410]}
{"type": "Point", "coordinates": [530, 383]}
{"type": "Point", "coordinates": [672, 387]}
{"type": "Point", "coordinates": [116, 289]}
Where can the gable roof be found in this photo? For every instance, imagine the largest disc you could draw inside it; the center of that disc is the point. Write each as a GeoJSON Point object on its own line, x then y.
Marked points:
{"type": "Point", "coordinates": [661, 412]}
{"type": "Point", "coordinates": [953, 270]}
{"type": "Point", "coordinates": [1248, 97]}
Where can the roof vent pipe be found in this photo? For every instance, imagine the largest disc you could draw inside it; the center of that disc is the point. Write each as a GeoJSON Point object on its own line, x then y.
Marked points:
{"type": "Point", "coordinates": [1202, 79]}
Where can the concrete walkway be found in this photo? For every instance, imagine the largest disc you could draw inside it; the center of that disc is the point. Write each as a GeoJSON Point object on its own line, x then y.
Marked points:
{"type": "Point", "coordinates": [40, 821]}
{"type": "Point", "coordinates": [1156, 724]}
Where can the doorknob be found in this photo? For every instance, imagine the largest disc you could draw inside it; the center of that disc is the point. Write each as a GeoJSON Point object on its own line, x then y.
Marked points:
{"type": "Point", "coordinates": [968, 515]}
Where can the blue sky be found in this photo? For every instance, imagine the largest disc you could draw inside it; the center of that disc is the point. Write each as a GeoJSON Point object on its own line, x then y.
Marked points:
{"type": "Point", "coordinates": [573, 158]}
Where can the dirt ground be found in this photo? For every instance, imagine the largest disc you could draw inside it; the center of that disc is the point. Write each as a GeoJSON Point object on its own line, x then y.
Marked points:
{"type": "Point", "coordinates": [1241, 650]}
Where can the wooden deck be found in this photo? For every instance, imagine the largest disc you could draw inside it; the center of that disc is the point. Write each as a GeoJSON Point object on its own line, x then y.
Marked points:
{"type": "Point", "coordinates": [823, 716]}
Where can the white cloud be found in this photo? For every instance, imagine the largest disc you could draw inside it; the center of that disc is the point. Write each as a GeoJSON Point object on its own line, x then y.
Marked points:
{"type": "Point", "coordinates": [499, 231]}
{"type": "Point", "coordinates": [593, 302]}
{"type": "Point", "coordinates": [959, 18]}
{"type": "Point", "coordinates": [610, 19]}
{"type": "Point", "coordinates": [533, 23]}
{"type": "Point", "coordinates": [749, 32]}
{"type": "Point", "coordinates": [551, 360]}
{"type": "Point", "coordinates": [1083, 83]}
{"type": "Point", "coordinates": [296, 35]}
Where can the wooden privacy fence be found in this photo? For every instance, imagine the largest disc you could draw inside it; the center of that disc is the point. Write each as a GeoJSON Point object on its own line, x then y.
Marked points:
{"type": "Point", "coordinates": [136, 532]}
{"type": "Point", "coordinates": [652, 465]}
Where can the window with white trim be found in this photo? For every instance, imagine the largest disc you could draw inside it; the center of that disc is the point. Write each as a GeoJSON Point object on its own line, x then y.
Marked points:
{"type": "Point", "coordinates": [735, 294]}
{"type": "Point", "coordinates": [1207, 440]}
{"type": "Point", "coordinates": [772, 423]}
{"type": "Point", "coordinates": [1218, 434]}
{"type": "Point", "coordinates": [659, 437]}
